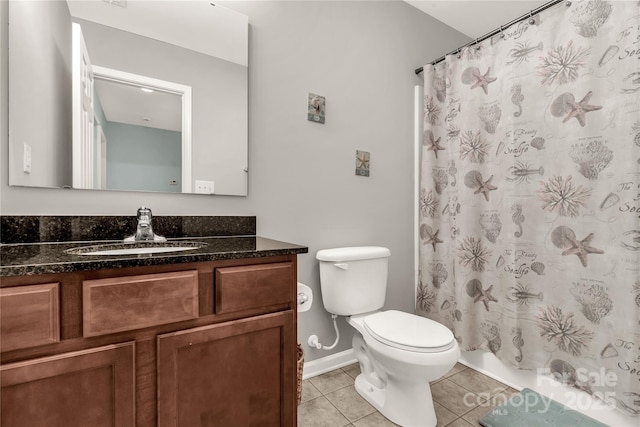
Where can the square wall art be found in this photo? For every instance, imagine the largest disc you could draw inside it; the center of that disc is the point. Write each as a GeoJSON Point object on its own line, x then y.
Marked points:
{"type": "Point", "coordinates": [362, 163]}
{"type": "Point", "coordinates": [316, 108]}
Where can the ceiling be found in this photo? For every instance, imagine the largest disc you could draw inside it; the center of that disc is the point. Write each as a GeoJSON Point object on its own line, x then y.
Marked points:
{"type": "Point", "coordinates": [475, 18]}
{"type": "Point", "coordinates": [122, 103]}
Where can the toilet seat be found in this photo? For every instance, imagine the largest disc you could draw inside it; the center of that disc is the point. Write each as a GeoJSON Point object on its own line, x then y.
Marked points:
{"type": "Point", "coordinates": [408, 332]}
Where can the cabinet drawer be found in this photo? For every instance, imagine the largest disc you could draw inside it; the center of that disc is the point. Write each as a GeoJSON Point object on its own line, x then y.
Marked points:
{"type": "Point", "coordinates": [254, 286]}
{"type": "Point", "coordinates": [134, 302]}
{"type": "Point", "coordinates": [29, 316]}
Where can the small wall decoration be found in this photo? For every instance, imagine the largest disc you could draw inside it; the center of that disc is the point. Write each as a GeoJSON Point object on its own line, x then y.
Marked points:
{"type": "Point", "coordinates": [316, 108]}
{"type": "Point", "coordinates": [362, 163]}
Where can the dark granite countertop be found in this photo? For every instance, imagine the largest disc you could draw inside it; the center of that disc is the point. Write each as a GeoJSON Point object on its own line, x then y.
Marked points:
{"type": "Point", "coordinates": [22, 259]}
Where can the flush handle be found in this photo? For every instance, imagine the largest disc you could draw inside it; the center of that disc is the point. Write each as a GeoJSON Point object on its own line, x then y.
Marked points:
{"type": "Point", "coordinates": [342, 265]}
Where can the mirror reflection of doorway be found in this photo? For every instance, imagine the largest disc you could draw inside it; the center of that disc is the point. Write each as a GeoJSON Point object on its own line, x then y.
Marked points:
{"type": "Point", "coordinates": [131, 132]}
{"type": "Point", "coordinates": [143, 127]}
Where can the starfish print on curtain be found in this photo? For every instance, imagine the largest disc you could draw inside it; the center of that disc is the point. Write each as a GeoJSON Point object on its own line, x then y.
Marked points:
{"type": "Point", "coordinates": [432, 143]}
{"type": "Point", "coordinates": [566, 105]}
{"type": "Point", "coordinates": [472, 76]}
{"type": "Point", "coordinates": [564, 237]}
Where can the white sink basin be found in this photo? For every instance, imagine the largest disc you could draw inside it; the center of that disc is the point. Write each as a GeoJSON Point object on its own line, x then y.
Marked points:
{"type": "Point", "coordinates": [137, 248]}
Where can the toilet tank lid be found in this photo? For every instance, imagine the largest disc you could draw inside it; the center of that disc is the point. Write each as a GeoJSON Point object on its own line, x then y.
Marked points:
{"type": "Point", "coordinates": [352, 253]}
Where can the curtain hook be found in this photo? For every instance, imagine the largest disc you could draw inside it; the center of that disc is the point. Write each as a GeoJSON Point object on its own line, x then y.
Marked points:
{"type": "Point", "coordinates": [532, 20]}
{"type": "Point", "coordinates": [501, 33]}
{"type": "Point", "coordinates": [568, 4]}
{"type": "Point", "coordinates": [458, 55]}
{"type": "Point", "coordinates": [477, 44]}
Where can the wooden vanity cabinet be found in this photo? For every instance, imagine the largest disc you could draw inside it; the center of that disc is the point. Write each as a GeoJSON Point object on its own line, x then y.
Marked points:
{"type": "Point", "coordinates": [197, 344]}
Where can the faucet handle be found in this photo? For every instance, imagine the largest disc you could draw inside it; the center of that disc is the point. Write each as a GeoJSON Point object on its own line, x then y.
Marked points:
{"type": "Point", "coordinates": [142, 210]}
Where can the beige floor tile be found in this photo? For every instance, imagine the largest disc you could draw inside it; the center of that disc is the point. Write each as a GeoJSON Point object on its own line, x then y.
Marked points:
{"type": "Point", "coordinates": [350, 403]}
{"type": "Point", "coordinates": [308, 391]}
{"type": "Point", "coordinates": [443, 415]}
{"type": "Point", "coordinates": [352, 370]}
{"type": "Point", "coordinates": [458, 367]}
{"type": "Point", "coordinates": [461, 397]}
{"type": "Point", "coordinates": [453, 397]}
{"type": "Point", "coordinates": [331, 381]}
{"type": "Point", "coordinates": [319, 412]}
{"type": "Point", "coordinates": [461, 423]}
{"type": "Point", "coordinates": [478, 383]}
{"type": "Point", "coordinates": [374, 420]}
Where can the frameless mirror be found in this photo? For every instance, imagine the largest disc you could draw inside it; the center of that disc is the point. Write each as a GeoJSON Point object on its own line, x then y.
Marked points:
{"type": "Point", "coordinates": [135, 95]}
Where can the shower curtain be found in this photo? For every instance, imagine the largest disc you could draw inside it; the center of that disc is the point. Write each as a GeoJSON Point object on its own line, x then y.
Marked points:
{"type": "Point", "coordinates": [530, 197]}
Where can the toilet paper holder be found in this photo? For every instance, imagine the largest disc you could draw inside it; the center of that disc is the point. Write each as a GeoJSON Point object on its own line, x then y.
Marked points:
{"type": "Point", "coordinates": [305, 297]}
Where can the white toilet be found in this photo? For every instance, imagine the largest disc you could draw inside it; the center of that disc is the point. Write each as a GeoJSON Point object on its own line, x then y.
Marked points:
{"type": "Point", "coordinates": [399, 353]}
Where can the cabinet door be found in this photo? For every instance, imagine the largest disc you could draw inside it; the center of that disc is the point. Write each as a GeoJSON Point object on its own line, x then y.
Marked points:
{"type": "Point", "coordinates": [234, 374]}
{"type": "Point", "coordinates": [85, 388]}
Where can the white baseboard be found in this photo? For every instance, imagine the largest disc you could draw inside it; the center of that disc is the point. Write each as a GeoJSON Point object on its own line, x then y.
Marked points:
{"type": "Point", "coordinates": [328, 363]}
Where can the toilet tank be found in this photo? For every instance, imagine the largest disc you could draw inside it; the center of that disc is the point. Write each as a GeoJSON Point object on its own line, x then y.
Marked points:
{"type": "Point", "coordinates": [353, 280]}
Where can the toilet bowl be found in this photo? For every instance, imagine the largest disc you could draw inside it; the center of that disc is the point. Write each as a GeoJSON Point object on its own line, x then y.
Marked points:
{"type": "Point", "coordinates": [399, 354]}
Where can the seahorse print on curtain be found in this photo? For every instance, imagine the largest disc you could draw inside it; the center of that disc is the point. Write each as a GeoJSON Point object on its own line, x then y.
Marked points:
{"type": "Point", "coordinates": [530, 196]}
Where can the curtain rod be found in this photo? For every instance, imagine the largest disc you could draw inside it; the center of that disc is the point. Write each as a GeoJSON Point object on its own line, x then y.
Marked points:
{"type": "Point", "coordinates": [497, 30]}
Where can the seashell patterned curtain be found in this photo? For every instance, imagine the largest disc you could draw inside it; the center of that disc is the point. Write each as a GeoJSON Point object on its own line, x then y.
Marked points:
{"type": "Point", "coordinates": [530, 197]}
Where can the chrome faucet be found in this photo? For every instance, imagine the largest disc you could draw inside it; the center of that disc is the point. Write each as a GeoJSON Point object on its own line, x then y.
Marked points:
{"type": "Point", "coordinates": [144, 230]}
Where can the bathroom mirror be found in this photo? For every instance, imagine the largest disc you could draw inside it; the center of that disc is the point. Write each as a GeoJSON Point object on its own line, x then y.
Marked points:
{"type": "Point", "coordinates": [188, 58]}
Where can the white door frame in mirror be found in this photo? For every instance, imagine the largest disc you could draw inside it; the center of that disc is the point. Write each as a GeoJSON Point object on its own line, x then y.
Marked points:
{"type": "Point", "coordinates": [183, 91]}
{"type": "Point", "coordinates": [83, 113]}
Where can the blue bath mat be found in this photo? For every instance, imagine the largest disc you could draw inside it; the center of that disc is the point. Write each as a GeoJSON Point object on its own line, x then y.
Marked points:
{"type": "Point", "coordinates": [530, 409]}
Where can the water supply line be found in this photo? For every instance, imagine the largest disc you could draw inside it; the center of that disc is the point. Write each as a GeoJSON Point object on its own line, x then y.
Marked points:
{"type": "Point", "coordinates": [313, 339]}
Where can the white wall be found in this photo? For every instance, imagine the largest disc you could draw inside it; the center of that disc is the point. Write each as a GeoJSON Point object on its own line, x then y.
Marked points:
{"type": "Point", "coordinates": [140, 157]}
{"type": "Point", "coordinates": [302, 183]}
{"type": "Point", "coordinates": [41, 47]}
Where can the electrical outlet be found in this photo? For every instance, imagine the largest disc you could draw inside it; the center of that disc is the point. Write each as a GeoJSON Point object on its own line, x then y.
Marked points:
{"type": "Point", "coordinates": [27, 159]}
{"type": "Point", "coordinates": [173, 182]}
{"type": "Point", "coordinates": [204, 187]}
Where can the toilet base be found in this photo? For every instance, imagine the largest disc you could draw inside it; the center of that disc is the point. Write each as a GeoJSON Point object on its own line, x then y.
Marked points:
{"type": "Point", "coordinates": [372, 394]}
{"type": "Point", "coordinates": [410, 407]}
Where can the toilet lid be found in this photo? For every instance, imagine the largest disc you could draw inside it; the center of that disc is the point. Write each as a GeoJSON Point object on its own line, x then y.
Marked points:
{"type": "Point", "coordinates": [408, 331]}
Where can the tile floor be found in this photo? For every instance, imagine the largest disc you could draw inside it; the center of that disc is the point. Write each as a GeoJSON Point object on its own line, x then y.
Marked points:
{"type": "Point", "coordinates": [460, 398]}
